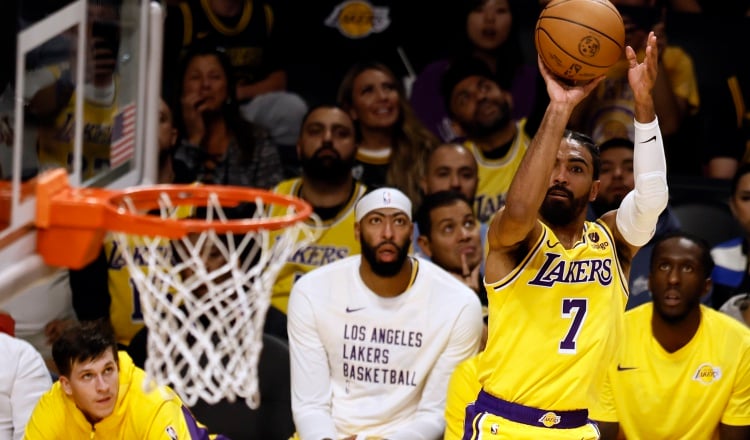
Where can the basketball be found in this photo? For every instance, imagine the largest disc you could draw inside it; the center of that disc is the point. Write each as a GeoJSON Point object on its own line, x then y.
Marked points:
{"type": "Point", "coordinates": [579, 39]}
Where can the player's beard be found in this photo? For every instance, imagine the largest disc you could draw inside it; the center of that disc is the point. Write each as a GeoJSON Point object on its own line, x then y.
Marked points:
{"type": "Point", "coordinates": [679, 315]}
{"type": "Point", "coordinates": [331, 168]}
{"type": "Point", "coordinates": [557, 212]}
{"type": "Point", "coordinates": [480, 128]}
{"type": "Point", "coordinates": [389, 269]}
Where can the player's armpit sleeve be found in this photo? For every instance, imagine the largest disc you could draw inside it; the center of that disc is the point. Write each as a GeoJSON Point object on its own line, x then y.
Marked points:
{"type": "Point", "coordinates": [604, 409]}
{"type": "Point", "coordinates": [737, 411]}
{"type": "Point", "coordinates": [429, 421]}
{"type": "Point", "coordinates": [639, 211]}
{"type": "Point", "coordinates": [310, 374]}
{"type": "Point", "coordinates": [174, 420]}
{"type": "Point", "coordinates": [32, 380]}
{"type": "Point", "coordinates": [463, 389]}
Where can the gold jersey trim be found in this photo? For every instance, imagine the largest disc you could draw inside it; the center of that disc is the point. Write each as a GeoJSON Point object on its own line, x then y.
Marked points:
{"type": "Point", "coordinates": [359, 190]}
{"type": "Point", "coordinates": [187, 24]}
{"type": "Point", "coordinates": [620, 272]}
{"type": "Point", "coordinates": [247, 13]}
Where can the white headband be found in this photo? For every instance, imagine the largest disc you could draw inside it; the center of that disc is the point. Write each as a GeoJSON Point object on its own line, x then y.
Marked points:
{"type": "Point", "coordinates": [382, 198]}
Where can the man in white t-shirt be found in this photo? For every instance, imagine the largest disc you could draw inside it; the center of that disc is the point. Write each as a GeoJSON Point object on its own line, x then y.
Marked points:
{"type": "Point", "coordinates": [23, 380]}
{"type": "Point", "coordinates": [374, 338]}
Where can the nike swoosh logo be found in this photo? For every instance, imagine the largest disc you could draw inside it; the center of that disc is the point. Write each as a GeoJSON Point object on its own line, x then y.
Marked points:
{"type": "Point", "coordinates": [652, 138]}
{"type": "Point", "coordinates": [621, 368]}
{"type": "Point", "coordinates": [350, 310]}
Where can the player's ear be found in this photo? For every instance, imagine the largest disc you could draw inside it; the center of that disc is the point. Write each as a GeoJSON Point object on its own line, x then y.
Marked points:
{"type": "Point", "coordinates": [594, 190]}
{"type": "Point", "coordinates": [356, 231]}
{"type": "Point", "coordinates": [424, 244]}
{"type": "Point", "coordinates": [708, 286]}
{"type": "Point", "coordinates": [457, 130]}
{"type": "Point", "coordinates": [423, 183]}
{"type": "Point", "coordinates": [173, 136]}
{"type": "Point", "coordinates": [65, 384]}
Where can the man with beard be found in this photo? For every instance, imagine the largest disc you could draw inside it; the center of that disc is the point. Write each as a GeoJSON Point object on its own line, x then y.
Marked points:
{"type": "Point", "coordinates": [615, 182]}
{"type": "Point", "coordinates": [326, 149]}
{"type": "Point", "coordinates": [373, 338]}
{"type": "Point", "coordinates": [481, 112]}
{"type": "Point", "coordinates": [676, 347]}
{"type": "Point", "coordinates": [557, 284]}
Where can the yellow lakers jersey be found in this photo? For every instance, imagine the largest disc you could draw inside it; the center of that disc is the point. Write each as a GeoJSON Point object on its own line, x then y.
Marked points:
{"type": "Point", "coordinates": [685, 394]}
{"type": "Point", "coordinates": [575, 299]}
{"type": "Point", "coordinates": [495, 175]}
{"type": "Point", "coordinates": [56, 138]}
{"type": "Point", "coordinates": [125, 311]}
{"type": "Point", "coordinates": [125, 308]}
{"type": "Point", "coordinates": [335, 241]}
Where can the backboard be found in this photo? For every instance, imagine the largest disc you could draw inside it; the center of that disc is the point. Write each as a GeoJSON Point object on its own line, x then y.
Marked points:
{"type": "Point", "coordinates": [81, 92]}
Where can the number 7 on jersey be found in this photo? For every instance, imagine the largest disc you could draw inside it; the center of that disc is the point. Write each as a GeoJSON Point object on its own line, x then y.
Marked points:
{"type": "Point", "coordinates": [575, 310]}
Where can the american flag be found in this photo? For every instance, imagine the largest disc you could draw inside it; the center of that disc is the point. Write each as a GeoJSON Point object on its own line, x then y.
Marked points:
{"type": "Point", "coordinates": [123, 136]}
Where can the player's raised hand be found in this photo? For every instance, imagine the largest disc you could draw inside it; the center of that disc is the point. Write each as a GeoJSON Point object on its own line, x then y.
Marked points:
{"type": "Point", "coordinates": [565, 92]}
{"type": "Point", "coordinates": [642, 76]}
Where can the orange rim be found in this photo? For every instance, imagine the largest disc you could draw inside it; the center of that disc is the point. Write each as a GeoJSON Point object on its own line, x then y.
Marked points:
{"type": "Point", "coordinates": [147, 199]}
{"type": "Point", "coordinates": [71, 222]}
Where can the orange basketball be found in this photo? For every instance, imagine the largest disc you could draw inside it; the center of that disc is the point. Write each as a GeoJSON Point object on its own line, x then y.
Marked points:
{"type": "Point", "coordinates": [579, 39]}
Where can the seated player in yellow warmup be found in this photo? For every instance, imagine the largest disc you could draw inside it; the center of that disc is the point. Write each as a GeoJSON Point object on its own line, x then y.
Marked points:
{"type": "Point", "coordinates": [100, 395]}
{"type": "Point", "coordinates": [684, 372]}
{"type": "Point", "coordinates": [462, 390]}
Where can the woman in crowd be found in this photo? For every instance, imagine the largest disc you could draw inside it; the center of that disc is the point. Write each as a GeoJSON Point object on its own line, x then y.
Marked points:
{"type": "Point", "coordinates": [391, 140]}
{"type": "Point", "coordinates": [217, 145]}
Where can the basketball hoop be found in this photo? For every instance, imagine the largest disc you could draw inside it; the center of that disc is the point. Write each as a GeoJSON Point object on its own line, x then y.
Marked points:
{"type": "Point", "coordinates": [204, 260]}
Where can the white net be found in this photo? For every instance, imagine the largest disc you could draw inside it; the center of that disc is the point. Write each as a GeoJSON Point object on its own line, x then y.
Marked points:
{"type": "Point", "coordinates": [204, 299]}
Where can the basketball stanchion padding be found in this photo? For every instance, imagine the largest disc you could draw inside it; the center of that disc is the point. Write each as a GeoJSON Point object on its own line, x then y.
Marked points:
{"type": "Point", "coordinates": [203, 259]}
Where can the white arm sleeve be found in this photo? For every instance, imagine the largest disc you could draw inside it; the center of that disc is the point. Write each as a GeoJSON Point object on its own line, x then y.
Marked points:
{"type": "Point", "coordinates": [640, 209]}
{"type": "Point", "coordinates": [310, 374]}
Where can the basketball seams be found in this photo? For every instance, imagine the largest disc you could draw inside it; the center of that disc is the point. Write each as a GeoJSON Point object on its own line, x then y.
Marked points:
{"type": "Point", "coordinates": [578, 39]}
{"type": "Point", "coordinates": [607, 5]}
{"type": "Point", "coordinates": [567, 20]}
{"type": "Point", "coordinates": [550, 40]}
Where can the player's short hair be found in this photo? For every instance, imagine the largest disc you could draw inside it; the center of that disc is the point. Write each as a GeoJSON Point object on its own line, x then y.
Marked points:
{"type": "Point", "coordinates": [83, 341]}
{"type": "Point", "coordinates": [331, 105]}
{"type": "Point", "coordinates": [431, 152]}
{"type": "Point", "coordinates": [616, 142]}
{"type": "Point", "coordinates": [707, 262]}
{"type": "Point", "coordinates": [586, 141]}
{"type": "Point", "coordinates": [459, 70]}
{"type": "Point", "coordinates": [434, 201]}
